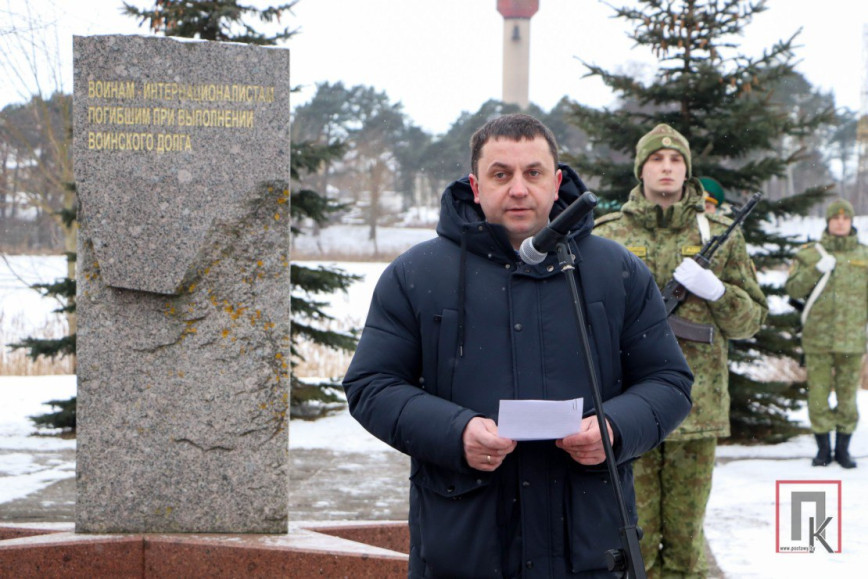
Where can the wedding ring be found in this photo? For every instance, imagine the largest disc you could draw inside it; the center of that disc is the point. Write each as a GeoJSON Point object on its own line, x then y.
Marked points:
{"type": "Point", "coordinates": [488, 458]}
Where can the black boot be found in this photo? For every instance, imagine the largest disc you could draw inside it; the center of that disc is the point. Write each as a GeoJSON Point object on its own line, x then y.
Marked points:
{"type": "Point", "coordinates": [824, 455]}
{"type": "Point", "coordinates": [842, 450]}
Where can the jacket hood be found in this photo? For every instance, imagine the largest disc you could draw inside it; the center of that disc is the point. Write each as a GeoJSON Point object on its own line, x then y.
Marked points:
{"type": "Point", "coordinates": [461, 217]}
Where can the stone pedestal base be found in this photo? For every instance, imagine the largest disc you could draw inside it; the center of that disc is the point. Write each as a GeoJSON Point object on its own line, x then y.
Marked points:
{"type": "Point", "coordinates": [350, 549]}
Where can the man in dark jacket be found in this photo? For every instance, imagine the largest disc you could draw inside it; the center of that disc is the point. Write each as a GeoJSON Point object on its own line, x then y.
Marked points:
{"type": "Point", "coordinates": [459, 323]}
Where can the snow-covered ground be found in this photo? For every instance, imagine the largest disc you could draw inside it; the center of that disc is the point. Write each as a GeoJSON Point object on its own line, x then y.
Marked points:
{"type": "Point", "coordinates": [353, 240]}
{"type": "Point", "coordinates": [29, 463]}
{"type": "Point", "coordinates": [742, 521]}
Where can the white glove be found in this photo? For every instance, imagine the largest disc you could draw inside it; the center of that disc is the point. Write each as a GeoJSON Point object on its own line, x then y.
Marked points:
{"type": "Point", "coordinates": [699, 281]}
{"type": "Point", "coordinates": [826, 263]}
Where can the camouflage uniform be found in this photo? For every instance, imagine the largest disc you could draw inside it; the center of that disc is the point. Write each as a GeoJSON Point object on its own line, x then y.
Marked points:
{"type": "Point", "coordinates": [834, 332]}
{"type": "Point", "coordinates": [673, 481]}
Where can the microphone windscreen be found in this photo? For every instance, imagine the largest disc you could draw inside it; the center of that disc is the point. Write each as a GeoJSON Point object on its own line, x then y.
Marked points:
{"type": "Point", "coordinates": [529, 254]}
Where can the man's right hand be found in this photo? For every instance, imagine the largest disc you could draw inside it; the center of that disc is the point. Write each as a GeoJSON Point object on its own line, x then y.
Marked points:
{"type": "Point", "coordinates": [483, 448]}
{"type": "Point", "coordinates": [699, 281]}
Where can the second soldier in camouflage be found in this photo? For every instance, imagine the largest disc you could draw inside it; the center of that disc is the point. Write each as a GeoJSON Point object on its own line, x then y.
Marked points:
{"type": "Point", "coordinates": [832, 276]}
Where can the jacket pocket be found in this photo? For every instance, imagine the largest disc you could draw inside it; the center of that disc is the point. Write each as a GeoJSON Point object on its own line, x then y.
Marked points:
{"type": "Point", "coordinates": [593, 518]}
{"type": "Point", "coordinates": [457, 523]}
{"type": "Point", "coordinates": [447, 352]}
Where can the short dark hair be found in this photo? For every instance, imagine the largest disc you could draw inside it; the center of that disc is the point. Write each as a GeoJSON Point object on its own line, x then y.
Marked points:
{"type": "Point", "coordinates": [515, 127]}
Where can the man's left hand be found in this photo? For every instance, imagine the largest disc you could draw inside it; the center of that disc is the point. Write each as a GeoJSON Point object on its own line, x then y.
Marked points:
{"type": "Point", "coordinates": [586, 446]}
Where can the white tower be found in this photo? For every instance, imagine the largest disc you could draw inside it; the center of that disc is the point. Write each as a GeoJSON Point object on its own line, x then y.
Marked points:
{"type": "Point", "coordinates": [516, 48]}
{"type": "Point", "coordinates": [861, 196]}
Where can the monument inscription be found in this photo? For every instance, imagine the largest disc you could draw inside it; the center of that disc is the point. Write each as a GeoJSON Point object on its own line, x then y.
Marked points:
{"type": "Point", "coordinates": [181, 153]}
{"type": "Point", "coordinates": [198, 118]}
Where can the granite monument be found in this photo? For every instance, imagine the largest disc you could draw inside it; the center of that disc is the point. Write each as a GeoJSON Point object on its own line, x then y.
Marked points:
{"type": "Point", "coordinates": [181, 160]}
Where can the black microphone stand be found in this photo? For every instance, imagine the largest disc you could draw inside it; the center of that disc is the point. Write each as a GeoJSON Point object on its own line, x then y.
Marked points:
{"type": "Point", "coordinates": [628, 559]}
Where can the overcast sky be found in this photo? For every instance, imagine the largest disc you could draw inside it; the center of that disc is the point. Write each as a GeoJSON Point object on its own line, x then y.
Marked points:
{"type": "Point", "coordinates": [442, 57]}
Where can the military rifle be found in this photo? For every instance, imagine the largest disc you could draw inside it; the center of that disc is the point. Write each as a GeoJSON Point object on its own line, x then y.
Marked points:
{"type": "Point", "coordinates": [673, 292]}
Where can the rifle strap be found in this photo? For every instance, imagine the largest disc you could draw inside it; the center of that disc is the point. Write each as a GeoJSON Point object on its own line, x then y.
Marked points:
{"type": "Point", "coordinates": [818, 289]}
{"type": "Point", "coordinates": [691, 331]}
{"type": "Point", "coordinates": [704, 228]}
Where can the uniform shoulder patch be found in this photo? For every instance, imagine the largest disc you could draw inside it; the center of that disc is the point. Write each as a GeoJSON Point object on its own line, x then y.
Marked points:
{"type": "Point", "coordinates": [607, 218]}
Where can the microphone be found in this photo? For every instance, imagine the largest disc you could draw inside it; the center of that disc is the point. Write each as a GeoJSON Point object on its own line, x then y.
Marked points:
{"type": "Point", "coordinates": [533, 250]}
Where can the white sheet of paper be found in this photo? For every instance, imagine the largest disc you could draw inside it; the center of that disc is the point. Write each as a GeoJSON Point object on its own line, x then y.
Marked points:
{"type": "Point", "coordinates": [539, 419]}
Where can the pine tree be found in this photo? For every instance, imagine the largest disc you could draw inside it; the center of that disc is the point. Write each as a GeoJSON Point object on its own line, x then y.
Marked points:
{"type": "Point", "coordinates": [63, 417]}
{"type": "Point", "coordinates": [62, 289]}
{"type": "Point", "coordinates": [223, 20]}
{"type": "Point", "coordinates": [743, 133]}
{"type": "Point", "coordinates": [226, 20]}
{"type": "Point", "coordinates": [308, 315]}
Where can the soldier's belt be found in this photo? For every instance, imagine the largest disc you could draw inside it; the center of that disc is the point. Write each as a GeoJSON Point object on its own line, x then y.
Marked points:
{"type": "Point", "coordinates": [691, 331]}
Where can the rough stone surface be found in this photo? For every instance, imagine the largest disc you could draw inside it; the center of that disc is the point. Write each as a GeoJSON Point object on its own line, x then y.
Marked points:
{"type": "Point", "coordinates": [183, 296]}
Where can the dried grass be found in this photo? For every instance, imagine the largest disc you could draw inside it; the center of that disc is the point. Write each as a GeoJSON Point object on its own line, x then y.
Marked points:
{"type": "Point", "coordinates": [17, 363]}
{"type": "Point", "coordinates": [322, 362]}
{"type": "Point", "coordinates": [326, 363]}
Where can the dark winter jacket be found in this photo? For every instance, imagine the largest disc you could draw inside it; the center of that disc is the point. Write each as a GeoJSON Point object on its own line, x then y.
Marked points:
{"type": "Point", "coordinates": [458, 323]}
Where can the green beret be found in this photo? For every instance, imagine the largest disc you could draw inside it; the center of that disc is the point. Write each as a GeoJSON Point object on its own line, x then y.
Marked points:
{"type": "Point", "coordinates": [713, 190]}
{"type": "Point", "coordinates": [661, 137]}
{"type": "Point", "coordinates": [839, 207]}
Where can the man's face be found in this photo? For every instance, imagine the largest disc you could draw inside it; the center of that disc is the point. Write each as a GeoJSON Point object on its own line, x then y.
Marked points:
{"type": "Point", "coordinates": [516, 186]}
{"type": "Point", "coordinates": [663, 175]}
{"type": "Point", "coordinates": [840, 225]}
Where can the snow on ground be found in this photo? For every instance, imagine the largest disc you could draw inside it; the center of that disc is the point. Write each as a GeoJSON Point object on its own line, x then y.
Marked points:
{"type": "Point", "coordinates": [741, 517]}
{"type": "Point", "coordinates": [353, 240]}
{"type": "Point", "coordinates": [339, 431]}
{"type": "Point", "coordinates": [30, 463]}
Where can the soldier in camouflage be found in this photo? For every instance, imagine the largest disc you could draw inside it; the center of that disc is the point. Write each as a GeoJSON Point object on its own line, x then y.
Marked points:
{"type": "Point", "coordinates": [665, 224]}
{"type": "Point", "coordinates": [714, 196]}
{"type": "Point", "coordinates": [832, 276]}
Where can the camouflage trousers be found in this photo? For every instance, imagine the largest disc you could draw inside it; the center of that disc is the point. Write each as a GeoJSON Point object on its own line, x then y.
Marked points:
{"type": "Point", "coordinates": [672, 484]}
{"type": "Point", "coordinates": [828, 372]}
